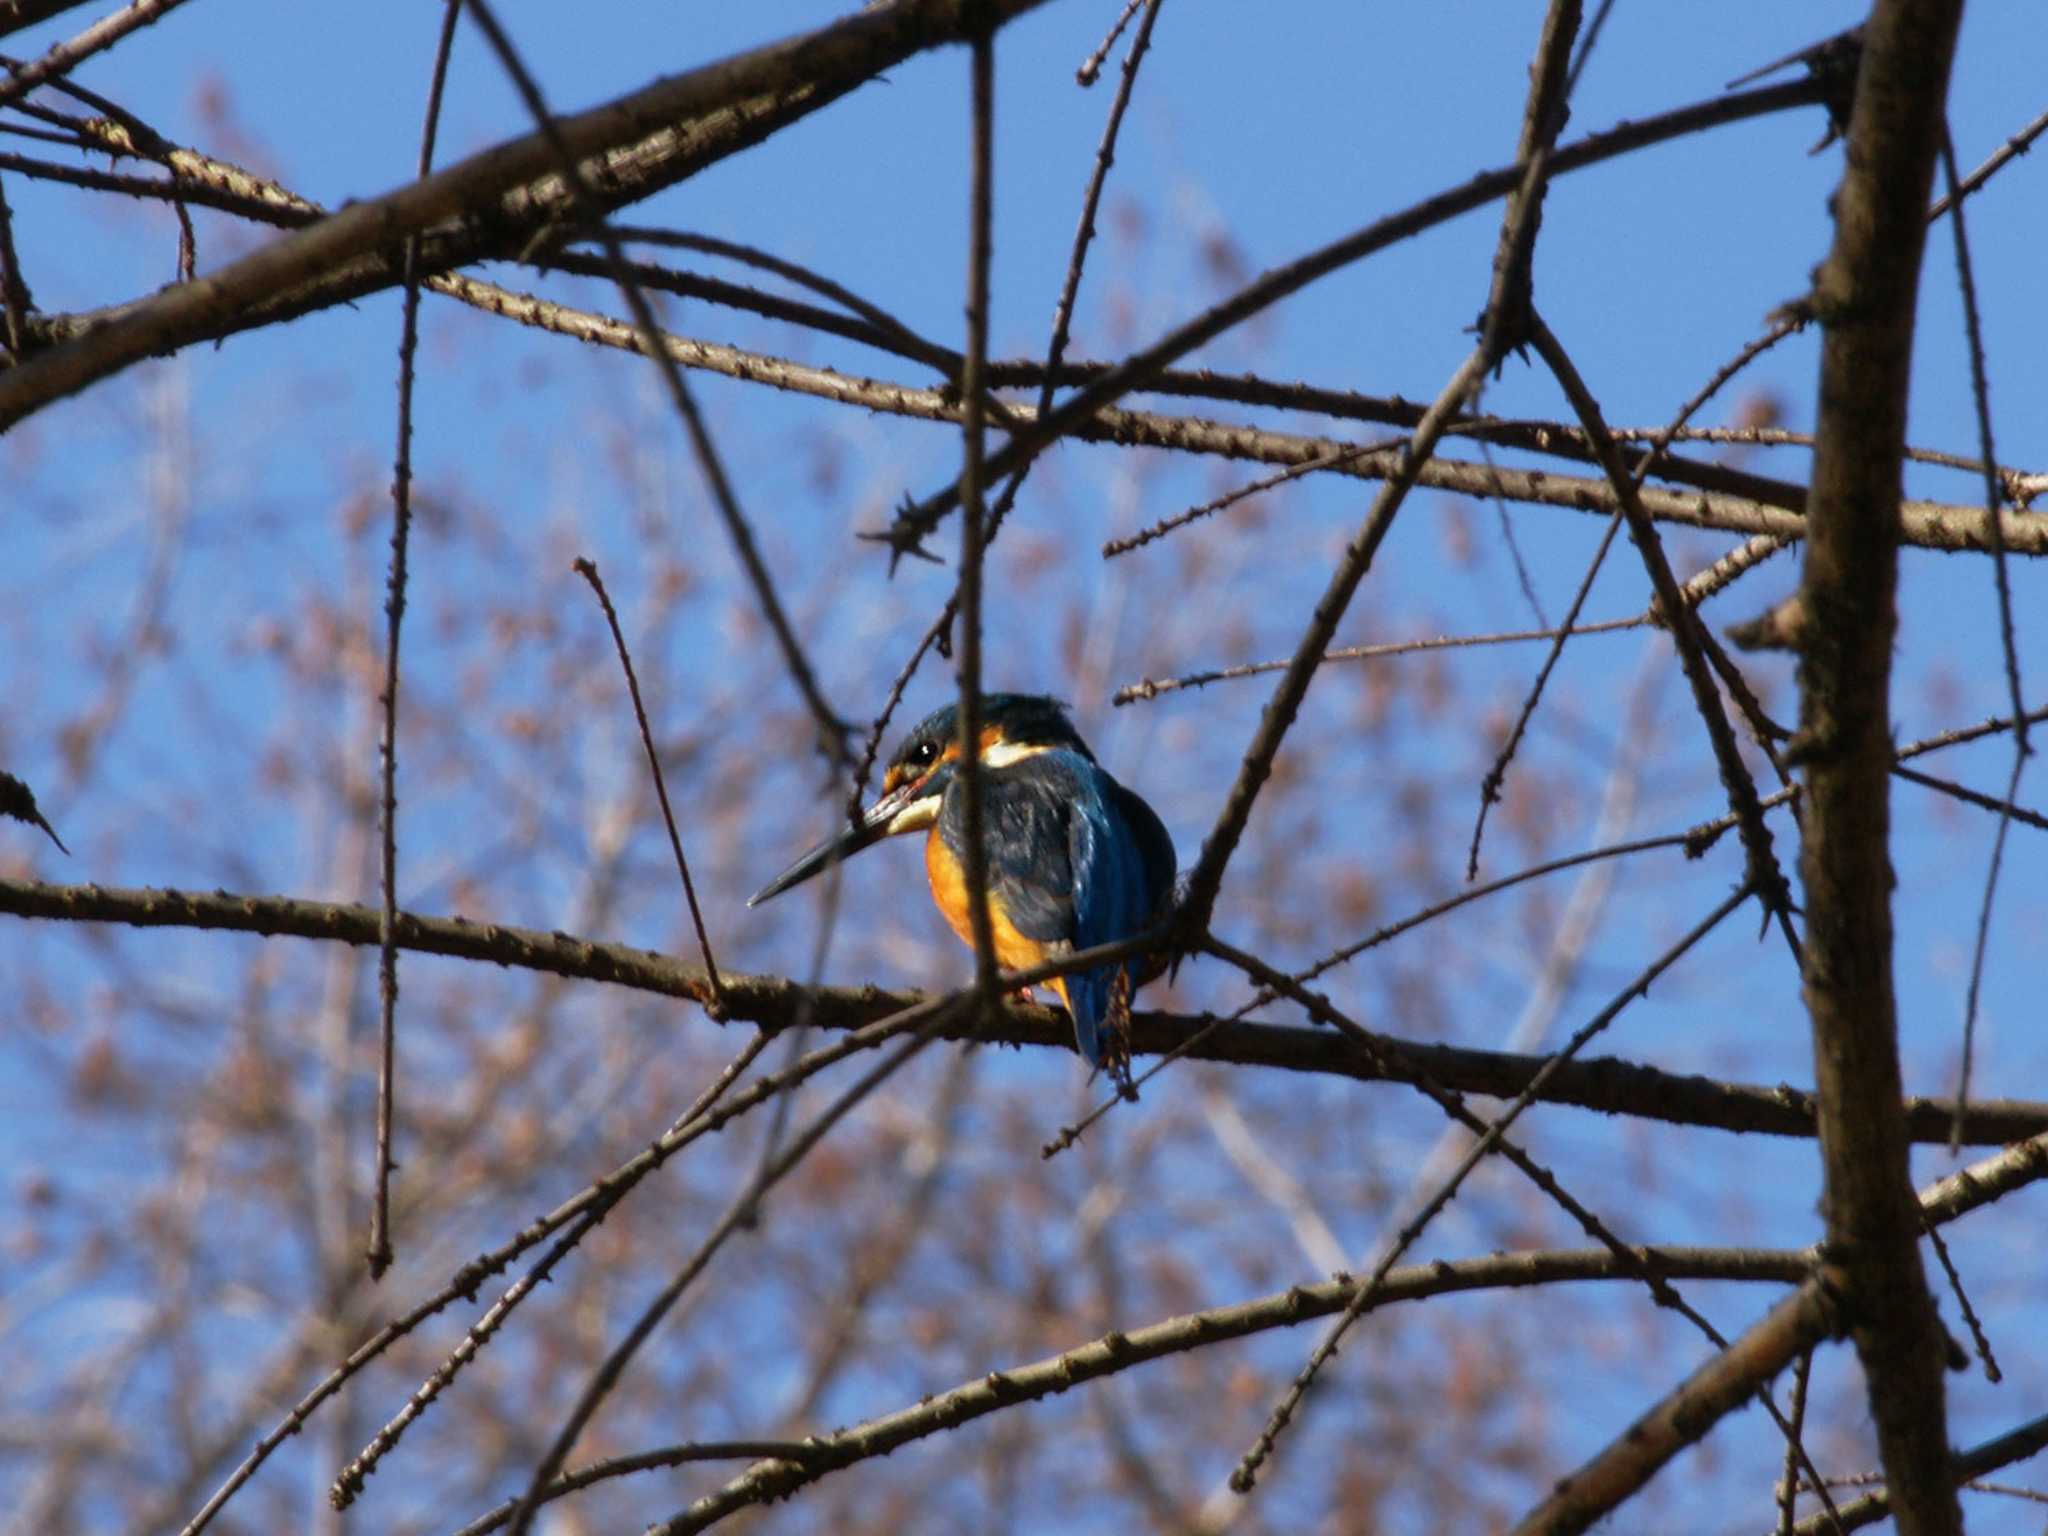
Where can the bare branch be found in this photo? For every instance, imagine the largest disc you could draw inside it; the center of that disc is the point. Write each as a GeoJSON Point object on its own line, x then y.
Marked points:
{"type": "Point", "coordinates": [1207, 876]}
{"type": "Point", "coordinates": [916, 521]}
{"type": "Point", "coordinates": [342, 252]}
{"type": "Point", "coordinates": [1119, 1351]}
{"type": "Point", "coordinates": [97, 38]}
{"type": "Point", "coordinates": [1817, 1311]}
{"type": "Point", "coordinates": [1865, 295]}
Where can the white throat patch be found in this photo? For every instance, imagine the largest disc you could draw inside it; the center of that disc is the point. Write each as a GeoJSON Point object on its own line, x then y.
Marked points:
{"type": "Point", "coordinates": [916, 816]}
{"type": "Point", "coordinates": [1004, 753]}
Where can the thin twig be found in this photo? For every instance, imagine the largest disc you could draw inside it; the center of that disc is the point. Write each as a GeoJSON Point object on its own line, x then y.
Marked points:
{"type": "Point", "coordinates": [1766, 879]}
{"type": "Point", "coordinates": [1695, 590]}
{"type": "Point", "coordinates": [1719, 575]}
{"type": "Point", "coordinates": [873, 744]}
{"type": "Point", "coordinates": [1151, 688]}
{"type": "Point", "coordinates": [1091, 202]}
{"type": "Point", "coordinates": [2006, 809]}
{"type": "Point", "coordinates": [1513, 544]}
{"type": "Point", "coordinates": [348, 1483]}
{"type": "Point", "coordinates": [1489, 789]}
{"type": "Point", "coordinates": [1980, 395]}
{"type": "Point", "coordinates": [941, 628]}
{"type": "Point", "coordinates": [1207, 877]}
{"type": "Point", "coordinates": [1335, 459]}
{"type": "Point", "coordinates": [917, 520]}
{"type": "Point", "coordinates": [1070, 284]}
{"type": "Point", "coordinates": [1786, 437]}
{"type": "Point", "coordinates": [2010, 150]}
{"type": "Point", "coordinates": [380, 1254]}
{"type": "Point", "coordinates": [587, 569]}
{"type": "Point", "coordinates": [1120, 1350]}
{"type": "Point", "coordinates": [1497, 771]}
{"type": "Point", "coordinates": [909, 341]}
{"type": "Point", "coordinates": [1978, 1337]}
{"type": "Point", "coordinates": [44, 135]}
{"type": "Point", "coordinates": [1962, 734]}
{"type": "Point", "coordinates": [831, 729]}
{"type": "Point", "coordinates": [97, 38]}
{"type": "Point", "coordinates": [1584, 53]}
{"type": "Point", "coordinates": [729, 295]}
{"type": "Point", "coordinates": [1246, 1473]}
{"type": "Point", "coordinates": [973, 853]}
{"type": "Point", "coordinates": [743, 1212]}
{"type": "Point", "coordinates": [1091, 66]}
{"type": "Point", "coordinates": [1788, 1480]}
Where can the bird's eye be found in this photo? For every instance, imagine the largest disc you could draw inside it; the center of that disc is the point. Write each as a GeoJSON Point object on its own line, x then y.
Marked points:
{"type": "Point", "coordinates": [923, 753]}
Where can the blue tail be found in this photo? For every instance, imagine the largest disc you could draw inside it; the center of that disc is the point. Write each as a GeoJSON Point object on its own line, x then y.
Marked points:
{"type": "Point", "coordinates": [1088, 1004]}
{"type": "Point", "coordinates": [1099, 1003]}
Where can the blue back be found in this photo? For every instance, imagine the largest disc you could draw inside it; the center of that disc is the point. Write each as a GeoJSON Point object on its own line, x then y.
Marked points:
{"type": "Point", "coordinates": [1074, 859]}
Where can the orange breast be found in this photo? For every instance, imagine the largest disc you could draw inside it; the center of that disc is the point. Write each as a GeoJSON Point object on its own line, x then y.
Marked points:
{"type": "Point", "coordinates": [1014, 952]}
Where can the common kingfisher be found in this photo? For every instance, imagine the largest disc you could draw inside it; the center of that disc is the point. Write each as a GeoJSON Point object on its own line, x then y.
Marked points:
{"type": "Point", "coordinates": [1074, 858]}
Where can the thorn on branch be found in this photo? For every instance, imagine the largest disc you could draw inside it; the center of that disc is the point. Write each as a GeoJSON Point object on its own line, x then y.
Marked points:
{"type": "Point", "coordinates": [1833, 64]}
{"type": "Point", "coordinates": [19, 801]}
{"type": "Point", "coordinates": [905, 536]}
{"type": "Point", "coordinates": [1782, 628]}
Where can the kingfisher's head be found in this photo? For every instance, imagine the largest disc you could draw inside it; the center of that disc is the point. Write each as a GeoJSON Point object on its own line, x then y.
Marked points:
{"type": "Point", "coordinates": [1013, 726]}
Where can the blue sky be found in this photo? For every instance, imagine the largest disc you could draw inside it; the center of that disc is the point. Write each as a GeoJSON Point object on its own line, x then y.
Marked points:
{"type": "Point", "coordinates": [1254, 137]}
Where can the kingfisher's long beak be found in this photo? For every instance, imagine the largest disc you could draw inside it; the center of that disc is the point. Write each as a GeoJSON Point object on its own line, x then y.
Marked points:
{"type": "Point", "coordinates": [909, 807]}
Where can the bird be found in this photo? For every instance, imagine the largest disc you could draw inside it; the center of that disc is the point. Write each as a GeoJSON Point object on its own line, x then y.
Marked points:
{"type": "Point", "coordinates": [1074, 859]}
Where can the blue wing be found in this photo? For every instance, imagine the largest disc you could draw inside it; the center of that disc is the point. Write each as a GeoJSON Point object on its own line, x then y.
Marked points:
{"type": "Point", "coordinates": [1110, 903]}
{"type": "Point", "coordinates": [1075, 860]}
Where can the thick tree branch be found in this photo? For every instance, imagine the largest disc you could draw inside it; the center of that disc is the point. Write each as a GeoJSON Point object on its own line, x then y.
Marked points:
{"type": "Point", "coordinates": [1739, 501]}
{"type": "Point", "coordinates": [2028, 1439]}
{"type": "Point", "coordinates": [1605, 1084]}
{"type": "Point", "coordinates": [1726, 1382]}
{"type": "Point", "coordinates": [97, 38]}
{"type": "Point", "coordinates": [916, 521]}
{"type": "Point", "coordinates": [1772, 510]}
{"type": "Point", "coordinates": [641, 141]}
{"type": "Point", "coordinates": [1865, 296]}
{"type": "Point", "coordinates": [1115, 1352]}
{"type": "Point", "coordinates": [1802, 1320]}
{"type": "Point", "coordinates": [1506, 316]}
